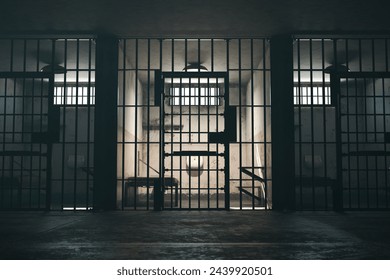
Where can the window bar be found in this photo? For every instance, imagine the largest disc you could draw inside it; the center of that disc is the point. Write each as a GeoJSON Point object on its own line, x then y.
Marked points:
{"type": "Point", "coordinates": [76, 124]}
{"type": "Point", "coordinates": [300, 125]}
{"type": "Point", "coordinates": [123, 144]}
{"type": "Point", "coordinates": [148, 131]}
{"type": "Point", "coordinates": [136, 89]}
{"type": "Point", "coordinates": [89, 93]}
{"type": "Point", "coordinates": [198, 107]}
{"type": "Point", "coordinates": [253, 125]}
{"type": "Point", "coordinates": [239, 118]}
{"type": "Point", "coordinates": [215, 145]}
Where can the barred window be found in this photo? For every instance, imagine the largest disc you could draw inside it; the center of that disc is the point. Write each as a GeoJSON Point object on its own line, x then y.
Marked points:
{"type": "Point", "coordinates": [72, 95]}
{"type": "Point", "coordinates": [194, 95]}
{"type": "Point", "coordinates": [312, 94]}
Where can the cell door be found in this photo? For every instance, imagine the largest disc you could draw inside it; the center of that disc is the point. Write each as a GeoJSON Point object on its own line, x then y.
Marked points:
{"type": "Point", "coordinates": [195, 133]}
{"type": "Point", "coordinates": [364, 113]}
{"type": "Point", "coordinates": [26, 136]}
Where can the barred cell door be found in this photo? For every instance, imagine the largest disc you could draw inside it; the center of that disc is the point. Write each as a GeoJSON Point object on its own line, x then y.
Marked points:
{"type": "Point", "coordinates": [364, 140]}
{"type": "Point", "coordinates": [26, 135]}
{"type": "Point", "coordinates": [196, 128]}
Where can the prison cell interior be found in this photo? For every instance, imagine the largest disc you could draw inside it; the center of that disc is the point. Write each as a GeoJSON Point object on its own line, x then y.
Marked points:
{"type": "Point", "coordinates": [194, 124]}
{"type": "Point", "coordinates": [46, 120]}
{"type": "Point", "coordinates": [341, 123]}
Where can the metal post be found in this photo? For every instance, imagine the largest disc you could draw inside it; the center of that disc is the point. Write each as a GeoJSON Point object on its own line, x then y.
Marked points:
{"type": "Point", "coordinates": [282, 119]}
{"type": "Point", "coordinates": [105, 123]}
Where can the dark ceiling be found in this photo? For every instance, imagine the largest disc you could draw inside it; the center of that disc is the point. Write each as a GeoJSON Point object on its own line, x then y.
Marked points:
{"type": "Point", "coordinates": [190, 18]}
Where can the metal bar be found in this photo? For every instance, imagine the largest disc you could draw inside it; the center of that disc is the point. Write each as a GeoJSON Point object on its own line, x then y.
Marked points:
{"type": "Point", "coordinates": [299, 126]}
{"type": "Point", "coordinates": [252, 121]}
{"type": "Point", "coordinates": [171, 109]}
{"type": "Point", "coordinates": [239, 118]}
{"type": "Point", "coordinates": [357, 143]}
{"type": "Point", "coordinates": [136, 89]}
{"type": "Point", "coordinates": [385, 145]}
{"type": "Point", "coordinates": [4, 141]}
{"type": "Point", "coordinates": [265, 126]}
{"type": "Point", "coordinates": [89, 93]}
{"type": "Point", "coordinates": [324, 115]}
{"type": "Point", "coordinates": [208, 143]}
{"type": "Point", "coordinates": [312, 122]}
{"type": "Point", "coordinates": [226, 144]}
{"type": "Point", "coordinates": [181, 145]}
{"type": "Point", "coordinates": [199, 106]}
{"type": "Point", "coordinates": [64, 123]}
{"type": "Point", "coordinates": [124, 197]}
{"type": "Point", "coordinates": [31, 143]}
{"type": "Point", "coordinates": [76, 125]}
{"type": "Point", "coordinates": [148, 130]}
{"type": "Point", "coordinates": [366, 140]}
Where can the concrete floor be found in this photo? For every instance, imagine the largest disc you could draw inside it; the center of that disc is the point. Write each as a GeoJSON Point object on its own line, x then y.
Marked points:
{"type": "Point", "coordinates": [194, 235]}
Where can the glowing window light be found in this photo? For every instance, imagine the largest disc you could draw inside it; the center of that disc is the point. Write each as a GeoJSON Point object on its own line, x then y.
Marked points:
{"type": "Point", "coordinates": [312, 95]}
{"type": "Point", "coordinates": [74, 95]}
{"type": "Point", "coordinates": [194, 96]}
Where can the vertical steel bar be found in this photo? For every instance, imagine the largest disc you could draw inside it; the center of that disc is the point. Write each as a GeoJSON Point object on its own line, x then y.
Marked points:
{"type": "Point", "coordinates": [226, 144]}
{"type": "Point", "coordinates": [123, 132]}
{"type": "Point", "coordinates": [171, 123]}
{"type": "Point", "coordinates": [136, 89]}
{"type": "Point", "coordinates": [265, 141]}
{"type": "Point", "coordinates": [64, 140]}
{"type": "Point", "coordinates": [75, 181]}
{"type": "Point", "coordinates": [199, 107]}
{"type": "Point", "coordinates": [324, 126]}
{"type": "Point", "coordinates": [239, 121]}
{"type": "Point", "coordinates": [299, 92]}
{"type": "Point", "coordinates": [89, 94]}
{"type": "Point", "coordinates": [312, 124]}
{"type": "Point", "coordinates": [148, 131]}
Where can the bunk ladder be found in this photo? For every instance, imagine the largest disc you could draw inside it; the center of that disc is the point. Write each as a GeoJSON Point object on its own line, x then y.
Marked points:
{"type": "Point", "coordinates": [246, 171]}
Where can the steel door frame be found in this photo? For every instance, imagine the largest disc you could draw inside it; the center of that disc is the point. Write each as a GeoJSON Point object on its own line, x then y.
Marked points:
{"type": "Point", "coordinates": [335, 79]}
{"type": "Point", "coordinates": [52, 131]}
{"type": "Point", "coordinates": [226, 136]}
